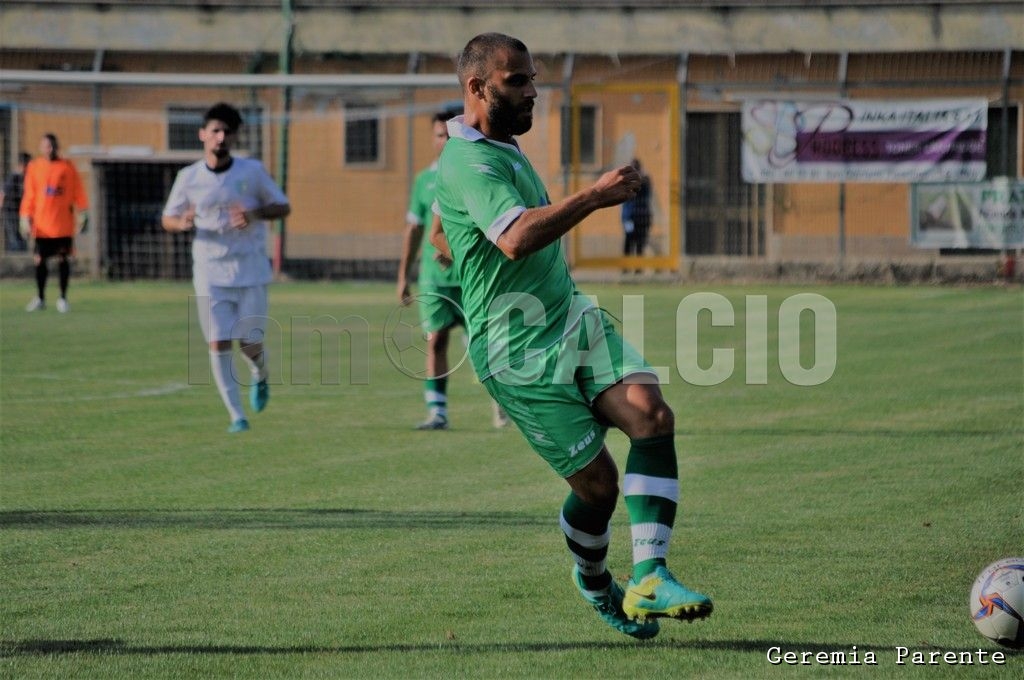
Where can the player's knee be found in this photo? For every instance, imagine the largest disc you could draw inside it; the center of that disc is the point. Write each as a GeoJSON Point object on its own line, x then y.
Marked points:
{"type": "Point", "coordinates": [605, 494]}
{"type": "Point", "coordinates": [659, 419]}
{"type": "Point", "coordinates": [598, 483]}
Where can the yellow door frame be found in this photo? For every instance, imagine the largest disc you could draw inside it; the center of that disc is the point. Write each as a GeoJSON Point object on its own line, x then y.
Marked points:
{"type": "Point", "coordinates": [670, 261]}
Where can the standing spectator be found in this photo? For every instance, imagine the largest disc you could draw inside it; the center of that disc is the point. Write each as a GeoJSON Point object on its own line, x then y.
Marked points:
{"type": "Point", "coordinates": [10, 197]}
{"type": "Point", "coordinates": [636, 215]}
{"type": "Point", "coordinates": [227, 201]}
{"type": "Point", "coordinates": [53, 192]}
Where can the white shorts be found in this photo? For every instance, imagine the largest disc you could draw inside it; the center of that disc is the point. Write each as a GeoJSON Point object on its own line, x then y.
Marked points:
{"type": "Point", "coordinates": [228, 313]}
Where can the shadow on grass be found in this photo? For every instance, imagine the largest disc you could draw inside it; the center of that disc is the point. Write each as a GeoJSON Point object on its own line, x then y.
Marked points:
{"type": "Point", "coordinates": [264, 518]}
{"type": "Point", "coordinates": [938, 433]}
{"type": "Point", "coordinates": [117, 648]}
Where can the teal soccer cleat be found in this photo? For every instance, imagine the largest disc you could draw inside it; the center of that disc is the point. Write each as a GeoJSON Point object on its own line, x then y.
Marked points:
{"type": "Point", "coordinates": [608, 605]}
{"type": "Point", "coordinates": [259, 395]}
{"type": "Point", "coordinates": [240, 425]}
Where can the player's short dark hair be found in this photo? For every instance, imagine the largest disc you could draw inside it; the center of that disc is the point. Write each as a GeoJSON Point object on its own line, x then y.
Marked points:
{"type": "Point", "coordinates": [53, 140]}
{"type": "Point", "coordinates": [225, 113]}
{"type": "Point", "coordinates": [476, 56]}
{"type": "Point", "coordinates": [443, 116]}
{"type": "Point", "coordinates": [24, 157]}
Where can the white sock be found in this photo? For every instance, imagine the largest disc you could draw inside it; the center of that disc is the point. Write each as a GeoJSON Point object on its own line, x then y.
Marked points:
{"type": "Point", "coordinates": [258, 366]}
{"type": "Point", "coordinates": [224, 376]}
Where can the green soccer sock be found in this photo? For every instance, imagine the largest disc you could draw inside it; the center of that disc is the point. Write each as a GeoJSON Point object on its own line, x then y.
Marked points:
{"type": "Point", "coordinates": [651, 489]}
{"type": "Point", "coordinates": [587, 533]}
{"type": "Point", "coordinates": [435, 393]}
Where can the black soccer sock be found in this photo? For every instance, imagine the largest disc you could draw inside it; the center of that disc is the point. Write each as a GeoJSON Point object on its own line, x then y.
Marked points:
{"type": "Point", "coordinates": [65, 276]}
{"type": "Point", "coordinates": [41, 272]}
{"type": "Point", "coordinates": [587, 532]}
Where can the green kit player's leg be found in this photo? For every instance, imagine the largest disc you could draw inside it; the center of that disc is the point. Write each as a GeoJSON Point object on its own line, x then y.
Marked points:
{"type": "Point", "coordinates": [435, 393]}
{"type": "Point", "coordinates": [651, 488]}
{"type": "Point", "coordinates": [587, 533]}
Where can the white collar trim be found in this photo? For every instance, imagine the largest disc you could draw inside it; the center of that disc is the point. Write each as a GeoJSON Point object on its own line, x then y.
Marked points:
{"type": "Point", "coordinates": [458, 128]}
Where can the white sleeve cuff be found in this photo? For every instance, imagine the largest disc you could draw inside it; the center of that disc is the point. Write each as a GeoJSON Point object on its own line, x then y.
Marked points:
{"type": "Point", "coordinates": [503, 222]}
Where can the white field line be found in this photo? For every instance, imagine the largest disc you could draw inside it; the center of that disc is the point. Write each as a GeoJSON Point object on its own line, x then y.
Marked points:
{"type": "Point", "coordinates": [142, 392]}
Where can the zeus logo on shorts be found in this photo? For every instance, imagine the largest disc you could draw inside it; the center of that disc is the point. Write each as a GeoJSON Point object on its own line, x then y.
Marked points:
{"type": "Point", "coordinates": [583, 443]}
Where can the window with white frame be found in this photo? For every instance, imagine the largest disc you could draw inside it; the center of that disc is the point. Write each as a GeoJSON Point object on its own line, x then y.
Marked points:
{"type": "Point", "coordinates": [183, 123]}
{"type": "Point", "coordinates": [588, 143]}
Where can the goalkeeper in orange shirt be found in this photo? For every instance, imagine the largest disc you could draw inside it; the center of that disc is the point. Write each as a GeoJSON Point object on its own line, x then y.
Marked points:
{"type": "Point", "coordinates": [53, 192]}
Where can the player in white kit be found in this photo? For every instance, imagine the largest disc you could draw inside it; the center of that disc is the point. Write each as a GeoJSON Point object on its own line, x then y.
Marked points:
{"type": "Point", "coordinates": [227, 201]}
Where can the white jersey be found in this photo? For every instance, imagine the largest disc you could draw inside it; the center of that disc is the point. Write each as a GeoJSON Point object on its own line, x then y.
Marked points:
{"type": "Point", "coordinates": [222, 255]}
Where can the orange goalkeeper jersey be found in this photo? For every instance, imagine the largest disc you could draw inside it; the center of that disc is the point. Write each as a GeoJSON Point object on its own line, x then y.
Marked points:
{"type": "Point", "coordinates": [53, 189]}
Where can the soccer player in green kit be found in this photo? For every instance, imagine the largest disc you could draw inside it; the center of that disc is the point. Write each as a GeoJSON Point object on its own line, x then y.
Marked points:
{"type": "Point", "coordinates": [546, 353]}
{"type": "Point", "coordinates": [440, 296]}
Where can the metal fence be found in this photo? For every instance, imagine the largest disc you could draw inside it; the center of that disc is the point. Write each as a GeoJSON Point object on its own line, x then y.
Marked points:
{"type": "Point", "coordinates": [346, 146]}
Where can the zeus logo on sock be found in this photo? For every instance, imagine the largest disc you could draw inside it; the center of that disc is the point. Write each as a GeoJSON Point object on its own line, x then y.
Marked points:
{"type": "Point", "coordinates": [648, 541]}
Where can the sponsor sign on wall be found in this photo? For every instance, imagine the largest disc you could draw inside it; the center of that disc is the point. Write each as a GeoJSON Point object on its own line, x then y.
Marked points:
{"type": "Point", "coordinates": [864, 141]}
{"type": "Point", "coordinates": [975, 215]}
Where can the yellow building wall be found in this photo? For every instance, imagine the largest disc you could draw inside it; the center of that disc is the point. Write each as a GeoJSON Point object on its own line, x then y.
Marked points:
{"type": "Point", "coordinates": [344, 211]}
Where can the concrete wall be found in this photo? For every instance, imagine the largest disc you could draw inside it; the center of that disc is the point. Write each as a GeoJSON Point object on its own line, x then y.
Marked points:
{"type": "Point", "coordinates": [721, 28]}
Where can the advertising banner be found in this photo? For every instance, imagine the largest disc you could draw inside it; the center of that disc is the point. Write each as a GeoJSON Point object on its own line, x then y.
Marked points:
{"type": "Point", "coordinates": [977, 215]}
{"type": "Point", "coordinates": [864, 141]}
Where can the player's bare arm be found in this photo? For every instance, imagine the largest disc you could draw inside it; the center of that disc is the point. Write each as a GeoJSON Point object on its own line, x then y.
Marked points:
{"type": "Point", "coordinates": [182, 222]}
{"type": "Point", "coordinates": [440, 242]}
{"type": "Point", "coordinates": [242, 218]}
{"type": "Point", "coordinates": [411, 245]}
{"type": "Point", "coordinates": [538, 227]}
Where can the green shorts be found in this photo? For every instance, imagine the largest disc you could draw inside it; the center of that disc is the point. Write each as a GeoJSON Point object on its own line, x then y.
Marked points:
{"type": "Point", "coordinates": [440, 307]}
{"type": "Point", "coordinates": [554, 408]}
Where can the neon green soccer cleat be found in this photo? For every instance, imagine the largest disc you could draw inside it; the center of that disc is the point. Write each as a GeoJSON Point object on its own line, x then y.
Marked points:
{"type": "Point", "coordinates": [660, 594]}
{"type": "Point", "coordinates": [608, 605]}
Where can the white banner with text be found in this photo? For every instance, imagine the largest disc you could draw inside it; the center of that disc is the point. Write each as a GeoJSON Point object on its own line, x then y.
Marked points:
{"type": "Point", "coordinates": [864, 141]}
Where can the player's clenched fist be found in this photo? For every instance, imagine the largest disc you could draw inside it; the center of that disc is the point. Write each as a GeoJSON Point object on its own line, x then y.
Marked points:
{"type": "Point", "coordinates": [188, 219]}
{"type": "Point", "coordinates": [618, 185]}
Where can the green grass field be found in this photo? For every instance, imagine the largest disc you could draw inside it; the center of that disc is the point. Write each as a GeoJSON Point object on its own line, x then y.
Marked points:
{"type": "Point", "coordinates": [139, 540]}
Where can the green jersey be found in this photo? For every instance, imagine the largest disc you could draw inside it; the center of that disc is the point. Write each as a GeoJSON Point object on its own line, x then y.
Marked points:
{"type": "Point", "coordinates": [421, 202]}
{"type": "Point", "coordinates": [515, 309]}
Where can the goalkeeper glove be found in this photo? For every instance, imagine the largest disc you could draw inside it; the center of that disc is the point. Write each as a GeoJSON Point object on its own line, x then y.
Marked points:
{"type": "Point", "coordinates": [82, 222]}
{"type": "Point", "coordinates": [24, 226]}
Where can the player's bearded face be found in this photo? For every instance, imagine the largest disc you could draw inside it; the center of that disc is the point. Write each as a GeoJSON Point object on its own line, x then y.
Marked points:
{"type": "Point", "coordinates": [507, 114]}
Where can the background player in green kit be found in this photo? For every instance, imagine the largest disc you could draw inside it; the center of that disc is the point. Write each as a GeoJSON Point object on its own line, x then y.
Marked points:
{"type": "Point", "coordinates": [439, 297]}
{"type": "Point", "coordinates": [546, 353]}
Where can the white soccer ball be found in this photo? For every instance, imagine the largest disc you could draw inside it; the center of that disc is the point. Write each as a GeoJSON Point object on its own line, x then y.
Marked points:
{"type": "Point", "coordinates": [997, 602]}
